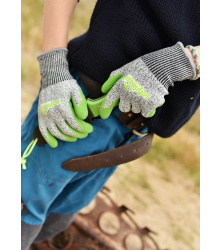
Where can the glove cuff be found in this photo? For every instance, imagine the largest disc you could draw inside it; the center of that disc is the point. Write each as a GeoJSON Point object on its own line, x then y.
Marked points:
{"type": "Point", "coordinates": [170, 64]}
{"type": "Point", "coordinates": [54, 67]}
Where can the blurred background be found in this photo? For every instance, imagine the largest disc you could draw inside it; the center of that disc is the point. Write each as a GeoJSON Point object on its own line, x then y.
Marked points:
{"type": "Point", "coordinates": [163, 187]}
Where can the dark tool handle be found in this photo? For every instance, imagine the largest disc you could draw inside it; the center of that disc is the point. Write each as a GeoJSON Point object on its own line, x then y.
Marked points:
{"type": "Point", "coordinates": [37, 134]}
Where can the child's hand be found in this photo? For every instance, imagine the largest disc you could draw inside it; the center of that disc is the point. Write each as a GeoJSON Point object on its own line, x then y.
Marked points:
{"type": "Point", "coordinates": [141, 85]}
{"type": "Point", "coordinates": [62, 105]}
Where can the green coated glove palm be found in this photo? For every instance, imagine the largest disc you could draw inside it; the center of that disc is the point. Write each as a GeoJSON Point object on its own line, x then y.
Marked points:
{"type": "Point", "coordinates": [106, 87]}
{"type": "Point", "coordinates": [62, 105]}
{"type": "Point", "coordinates": [142, 84]}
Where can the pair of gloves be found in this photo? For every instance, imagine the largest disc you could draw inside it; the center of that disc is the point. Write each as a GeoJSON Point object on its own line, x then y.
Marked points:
{"type": "Point", "coordinates": [139, 86]}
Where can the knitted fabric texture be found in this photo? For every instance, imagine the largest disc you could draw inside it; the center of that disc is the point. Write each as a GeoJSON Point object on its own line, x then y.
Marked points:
{"type": "Point", "coordinates": [145, 81]}
{"type": "Point", "coordinates": [58, 95]}
{"type": "Point", "coordinates": [54, 67]}
{"type": "Point", "coordinates": [138, 90]}
{"type": "Point", "coordinates": [122, 31]}
{"type": "Point", "coordinates": [170, 65]}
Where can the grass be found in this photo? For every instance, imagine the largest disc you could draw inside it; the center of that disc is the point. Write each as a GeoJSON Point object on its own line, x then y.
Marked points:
{"type": "Point", "coordinates": [178, 234]}
{"type": "Point", "coordinates": [162, 187]}
{"type": "Point", "coordinates": [181, 151]}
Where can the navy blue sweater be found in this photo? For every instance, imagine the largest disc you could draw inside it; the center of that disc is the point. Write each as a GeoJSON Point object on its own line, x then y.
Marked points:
{"type": "Point", "coordinates": [123, 30]}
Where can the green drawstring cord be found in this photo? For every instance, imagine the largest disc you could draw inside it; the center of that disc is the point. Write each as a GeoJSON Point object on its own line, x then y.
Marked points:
{"type": "Point", "coordinates": [27, 152]}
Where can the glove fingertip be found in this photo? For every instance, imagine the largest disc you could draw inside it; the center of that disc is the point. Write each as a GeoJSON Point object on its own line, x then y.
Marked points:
{"type": "Point", "coordinates": [90, 128]}
{"type": "Point", "coordinates": [86, 127]}
{"type": "Point", "coordinates": [70, 139]}
{"type": "Point", "coordinates": [83, 135]}
{"type": "Point", "coordinates": [52, 141]}
{"type": "Point", "coordinates": [152, 113]}
{"type": "Point", "coordinates": [82, 110]}
{"type": "Point", "coordinates": [83, 114]}
{"type": "Point", "coordinates": [104, 113]}
{"type": "Point", "coordinates": [110, 83]}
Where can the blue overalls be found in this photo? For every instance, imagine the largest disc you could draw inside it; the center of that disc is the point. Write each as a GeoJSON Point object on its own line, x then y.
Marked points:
{"type": "Point", "coordinates": [46, 187]}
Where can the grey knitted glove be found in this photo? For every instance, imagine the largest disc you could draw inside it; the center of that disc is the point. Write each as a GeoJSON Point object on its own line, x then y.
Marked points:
{"type": "Point", "coordinates": [62, 105]}
{"type": "Point", "coordinates": [141, 85]}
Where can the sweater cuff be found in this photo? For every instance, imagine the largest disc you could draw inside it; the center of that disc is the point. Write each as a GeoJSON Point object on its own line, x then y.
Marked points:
{"type": "Point", "coordinates": [170, 65]}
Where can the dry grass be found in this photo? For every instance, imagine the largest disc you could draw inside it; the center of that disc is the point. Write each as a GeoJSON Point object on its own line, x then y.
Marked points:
{"type": "Point", "coordinates": [163, 189]}
{"type": "Point", "coordinates": [163, 186]}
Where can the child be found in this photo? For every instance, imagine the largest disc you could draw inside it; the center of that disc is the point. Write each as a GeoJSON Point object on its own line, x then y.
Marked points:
{"type": "Point", "coordinates": [134, 46]}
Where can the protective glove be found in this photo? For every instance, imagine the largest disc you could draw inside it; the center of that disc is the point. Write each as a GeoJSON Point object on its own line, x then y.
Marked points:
{"type": "Point", "coordinates": [62, 105]}
{"type": "Point", "coordinates": [141, 85]}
